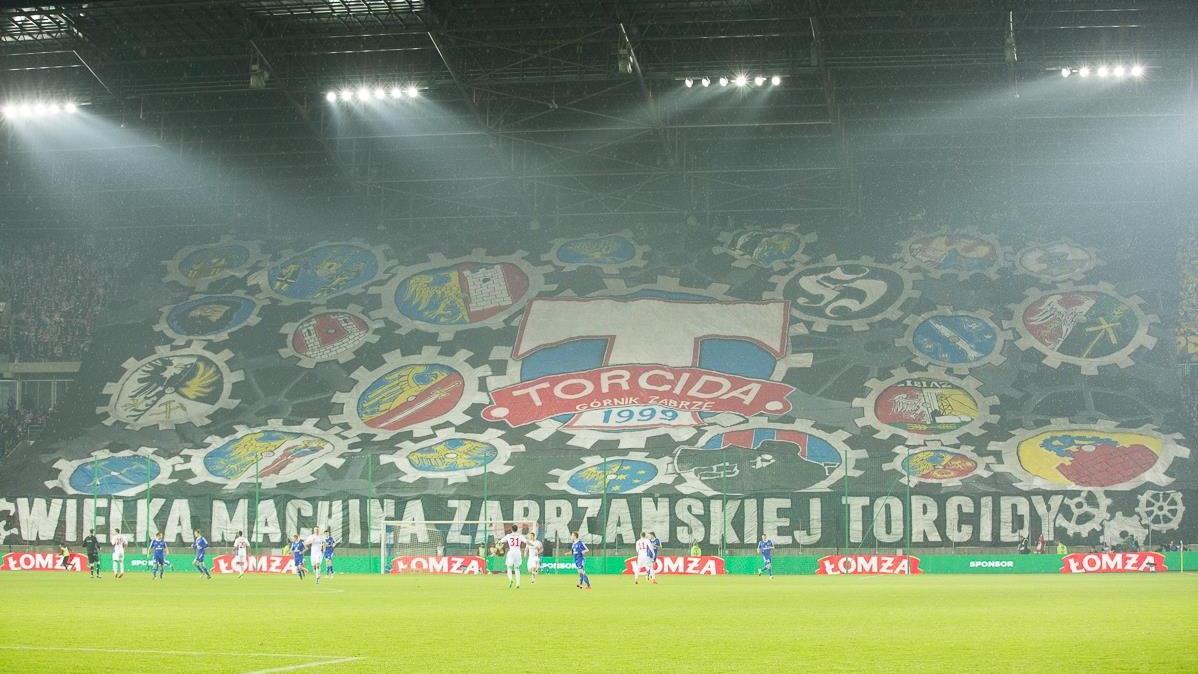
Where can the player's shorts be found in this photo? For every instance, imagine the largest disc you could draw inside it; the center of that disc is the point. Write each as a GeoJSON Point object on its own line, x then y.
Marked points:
{"type": "Point", "coordinates": [118, 556]}
{"type": "Point", "coordinates": [159, 559]}
{"type": "Point", "coordinates": [580, 563]}
{"type": "Point", "coordinates": [513, 558]}
{"type": "Point", "coordinates": [534, 562]}
{"type": "Point", "coordinates": [644, 562]}
{"type": "Point", "coordinates": [767, 560]}
{"type": "Point", "coordinates": [298, 559]}
{"type": "Point", "coordinates": [240, 555]}
{"type": "Point", "coordinates": [93, 559]}
{"type": "Point", "coordinates": [200, 557]}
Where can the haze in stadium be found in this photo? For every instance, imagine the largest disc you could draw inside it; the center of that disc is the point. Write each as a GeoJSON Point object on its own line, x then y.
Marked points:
{"type": "Point", "coordinates": [598, 336]}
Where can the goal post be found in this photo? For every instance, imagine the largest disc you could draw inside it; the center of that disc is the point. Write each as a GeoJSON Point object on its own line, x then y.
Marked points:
{"type": "Point", "coordinates": [421, 540]}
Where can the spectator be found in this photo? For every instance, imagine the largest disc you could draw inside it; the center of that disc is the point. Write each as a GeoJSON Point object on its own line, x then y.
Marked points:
{"type": "Point", "coordinates": [1024, 546]}
{"type": "Point", "coordinates": [1061, 549]}
{"type": "Point", "coordinates": [54, 291]}
{"type": "Point", "coordinates": [695, 551]}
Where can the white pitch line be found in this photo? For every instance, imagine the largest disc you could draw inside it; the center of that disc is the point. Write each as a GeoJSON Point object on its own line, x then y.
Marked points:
{"type": "Point", "coordinates": [153, 652]}
{"type": "Point", "coordinates": [319, 663]}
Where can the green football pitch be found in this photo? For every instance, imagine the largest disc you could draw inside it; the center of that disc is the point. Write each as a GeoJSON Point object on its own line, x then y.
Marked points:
{"type": "Point", "coordinates": [1030, 623]}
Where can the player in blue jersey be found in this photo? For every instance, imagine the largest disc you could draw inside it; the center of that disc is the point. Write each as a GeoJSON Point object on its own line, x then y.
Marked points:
{"type": "Point", "coordinates": [654, 551]}
{"type": "Point", "coordinates": [766, 547]}
{"type": "Point", "coordinates": [297, 555]}
{"type": "Point", "coordinates": [201, 546]}
{"type": "Point", "coordinates": [157, 556]}
{"type": "Point", "coordinates": [580, 560]}
{"type": "Point", "coordinates": [329, 544]}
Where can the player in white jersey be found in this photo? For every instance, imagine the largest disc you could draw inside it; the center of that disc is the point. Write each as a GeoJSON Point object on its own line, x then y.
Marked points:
{"type": "Point", "coordinates": [241, 552]}
{"type": "Point", "coordinates": [315, 543]}
{"type": "Point", "coordinates": [535, 548]}
{"type": "Point", "coordinates": [644, 559]}
{"type": "Point", "coordinates": [119, 541]}
{"type": "Point", "coordinates": [515, 547]}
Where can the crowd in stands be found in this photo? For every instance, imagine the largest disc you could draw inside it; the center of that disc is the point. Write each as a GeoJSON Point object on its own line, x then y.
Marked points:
{"type": "Point", "coordinates": [53, 291]}
{"type": "Point", "coordinates": [15, 423]}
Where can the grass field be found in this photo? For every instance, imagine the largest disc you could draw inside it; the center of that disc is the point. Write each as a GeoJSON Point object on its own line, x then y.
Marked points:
{"type": "Point", "coordinates": [1029, 623]}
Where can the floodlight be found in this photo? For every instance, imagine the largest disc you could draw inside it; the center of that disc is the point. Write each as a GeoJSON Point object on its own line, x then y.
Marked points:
{"type": "Point", "coordinates": [1103, 71]}
{"type": "Point", "coordinates": [688, 82]}
{"type": "Point", "coordinates": [1137, 70]}
{"type": "Point", "coordinates": [706, 81]}
{"type": "Point", "coordinates": [775, 80]}
{"type": "Point", "coordinates": [69, 108]}
{"type": "Point", "coordinates": [1084, 71]}
{"type": "Point", "coordinates": [759, 80]}
{"type": "Point", "coordinates": [331, 97]}
{"type": "Point", "coordinates": [396, 92]}
{"type": "Point", "coordinates": [1119, 71]}
{"type": "Point", "coordinates": [413, 92]}
{"type": "Point", "coordinates": [723, 81]}
{"type": "Point", "coordinates": [363, 94]}
{"type": "Point", "coordinates": [1066, 72]}
{"type": "Point", "coordinates": [741, 80]}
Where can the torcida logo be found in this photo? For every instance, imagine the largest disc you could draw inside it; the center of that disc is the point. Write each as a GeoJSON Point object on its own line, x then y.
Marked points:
{"type": "Point", "coordinates": [682, 566]}
{"type": "Point", "coordinates": [254, 564]}
{"type": "Point", "coordinates": [647, 361]}
{"type": "Point", "coordinates": [847, 565]}
{"type": "Point", "coordinates": [41, 561]}
{"type": "Point", "coordinates": [449, 564]}
{"type": "Point", "coordinates": [1113, 562]}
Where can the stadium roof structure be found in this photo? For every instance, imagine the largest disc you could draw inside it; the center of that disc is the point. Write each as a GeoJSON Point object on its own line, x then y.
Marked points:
{"type": "Point", "coordinates": [580, 109]}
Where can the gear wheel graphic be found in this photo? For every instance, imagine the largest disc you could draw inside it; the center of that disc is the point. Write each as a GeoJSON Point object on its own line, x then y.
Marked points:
{"type": "Point", "coordinates": [319, 273]}
{"type": "Point", "coordinates": [329, 335]}
{"type": "Point", "coordinates": [1086, 513]}
{"type": "Point", "coordinates": [817, 292]}
{"type": "Point", "coordinates": [955, 340]}
{"type": "Point", "coordinates": [821, 458]}
{"type": "Point", "coordinates": [842, 361]}
{"type": "Point", "coordinates": [108, 473]}
{"type": "Point", "coordinates": [944, 253]}
{"type": "Point", "coordinates": [445, 296]}
{"type": "Point", "coordinates": [610, 253]}
{"type": "Point", "coordinates": [199, 266]}
{"type": "Point", "coordinates": [415, 393]}
{"type": "Point", "coordinates": [774, 248]}
{"type": "Point", "coordinates": [1056, 261]}
{"type": "Point", "coordinates": [1069, 455]}
{"type": "Point", "coordinates": [630, 473]}
{"type": "Point", "coordinates": [935, 464]}
{"type": "Point", "coordinates": [1047, 320]}
{"type": "Point", "coordinates": [1161, 510]}
{"type": "Point", "coordinates": [1086, 399]}
{"type": "Point", "coordinates": [585, 437]}
{"type": "Point", "coordinates": [452, 456]}
{"type": "Point", "coordinates": [285, 453]}
{"type": "Point", "coordinates": [1120, 526]}
{"type": "Point", "coordinates": [172, 387]}
{"type": "Point", "coordinates": [924, 406]}
{"type": "Point", "coordinates": [209, 318]}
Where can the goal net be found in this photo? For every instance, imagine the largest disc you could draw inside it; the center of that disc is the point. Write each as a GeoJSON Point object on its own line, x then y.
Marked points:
{"type": "Point", "coordinates": [443, 546]}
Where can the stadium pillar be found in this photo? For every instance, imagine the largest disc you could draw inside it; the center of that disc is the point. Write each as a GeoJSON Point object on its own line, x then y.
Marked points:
{"type": "Point", "coordinates": [603, 526]}
{"type": "Point", "coordinates": [723, 513]}
{"type": "Point", "coordinates": [147, 501]}
{"type": "Point", "coordinates": [908, 517]}
{"type": "Point", "coordinates": [95, 488]}
{"type": "Point", "coordinates": [257, 488]}
{"type": "Point", "coordinates": [370, 513]}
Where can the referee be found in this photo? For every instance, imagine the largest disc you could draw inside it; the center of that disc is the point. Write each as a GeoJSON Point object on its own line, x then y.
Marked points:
{"type": "Point", "coordinates": [92, 545]}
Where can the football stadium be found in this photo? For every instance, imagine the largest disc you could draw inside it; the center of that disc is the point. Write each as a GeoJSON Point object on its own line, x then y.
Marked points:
{"type": "Point", "coordinates": [599, 336]}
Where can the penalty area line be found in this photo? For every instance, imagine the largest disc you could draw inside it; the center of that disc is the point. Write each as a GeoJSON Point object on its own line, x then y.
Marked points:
{"type": "Point", "coordinates": [305, 665]}
{"type": "Point", "coordinates": [324, 659]}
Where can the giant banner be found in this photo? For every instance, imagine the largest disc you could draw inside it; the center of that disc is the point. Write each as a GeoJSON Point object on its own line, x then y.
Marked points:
{"type": "Point", "coordinates": [952, 388]}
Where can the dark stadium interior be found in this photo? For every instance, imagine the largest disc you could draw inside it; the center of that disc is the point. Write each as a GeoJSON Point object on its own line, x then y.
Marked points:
{"type": "Point", "coordinates": [535, 122]}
